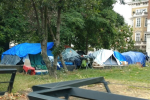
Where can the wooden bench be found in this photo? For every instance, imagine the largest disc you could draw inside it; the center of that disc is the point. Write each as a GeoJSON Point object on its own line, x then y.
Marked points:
{"type": "Point", "coordinates": [18, 67]}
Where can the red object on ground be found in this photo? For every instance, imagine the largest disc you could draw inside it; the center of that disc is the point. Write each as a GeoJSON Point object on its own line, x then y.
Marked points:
{"type": "Point", "coordinates": [26, 68]}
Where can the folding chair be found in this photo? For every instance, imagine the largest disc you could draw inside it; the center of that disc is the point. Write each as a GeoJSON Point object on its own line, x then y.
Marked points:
{"type": "Point", "coordinates": [28, 68]}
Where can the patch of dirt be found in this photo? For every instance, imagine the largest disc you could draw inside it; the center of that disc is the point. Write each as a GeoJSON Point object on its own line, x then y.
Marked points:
{"type": "Point", "coordinates": [131, 91]}
{"type": "Point", "coordinates": [115, 87]}
{"type": "Point", "coordinates": [20, 95]}
{"type": "Point", "coordinates": [120, 89]}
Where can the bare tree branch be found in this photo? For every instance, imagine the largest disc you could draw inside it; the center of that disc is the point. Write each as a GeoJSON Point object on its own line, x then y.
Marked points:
{"type": "Point", "coordinates": [42, 14]}
{"type": "Point", "coordinates": [36, 14]}
{"type": "Point", "coordinates": [50, 27]}
{"type": "Point", "coordinates": [58, 21]}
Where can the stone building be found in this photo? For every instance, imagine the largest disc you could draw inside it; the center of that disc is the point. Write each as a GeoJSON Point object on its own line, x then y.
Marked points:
{"type": "Point", "coordinates": [141, 23]}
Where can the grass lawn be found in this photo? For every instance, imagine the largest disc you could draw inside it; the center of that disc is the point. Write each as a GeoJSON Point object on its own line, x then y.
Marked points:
{"type": "Point", "coordinates": [133, 74]}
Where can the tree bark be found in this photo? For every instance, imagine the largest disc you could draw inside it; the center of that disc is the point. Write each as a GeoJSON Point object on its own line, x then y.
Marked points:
{"type": "Point", "coordinates": [63, 63]}
{"type": "Point", "coordinates": [42, 31]}
{"type": "Point", "coordinates": [51, 70]}
{"type": "Point", "coordinates": [87, 44]}
{"type": "Point", "coordinates": [57, 42]}
{"type": "Point", "coordinates": [36, 14]}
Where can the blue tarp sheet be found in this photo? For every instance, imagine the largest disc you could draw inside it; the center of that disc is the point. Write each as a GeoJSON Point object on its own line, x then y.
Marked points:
{"type": "Point", "coordinates": [49, 53]}
{"type": "Point", "coordinates": [24, 49]}
{"type": "Point", "coordinates": [119, 56]}
{"type": "Point", "coordinates": [133, 57]}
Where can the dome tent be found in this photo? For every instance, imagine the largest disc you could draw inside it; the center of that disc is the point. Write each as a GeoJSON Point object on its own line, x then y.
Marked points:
{"type": "Point", "coordinates": [70, 55]}
{"type": "Point", "coordinates": [105, 57]}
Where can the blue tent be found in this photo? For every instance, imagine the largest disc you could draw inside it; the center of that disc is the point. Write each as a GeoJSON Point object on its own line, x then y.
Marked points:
{"type": "Point", "coordinates": [23, 49]}
{"type": "Point", "coordinates": [133, 57]}
{"type": "Point", "coordinates": [119, 56]}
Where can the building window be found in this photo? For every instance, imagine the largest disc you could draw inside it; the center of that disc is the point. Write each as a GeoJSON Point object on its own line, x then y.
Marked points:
{"type": "Point", "coordinates": [145, 22]}
{"type": "Point", "coordinates": [145, 37]}
{"type": "Point", "coordinates": [137, 37]}
{"type": "Point", "coordinates": [138, 22]}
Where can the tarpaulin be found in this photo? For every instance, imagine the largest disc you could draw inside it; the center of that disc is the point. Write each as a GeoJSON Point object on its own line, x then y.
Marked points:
{"type": "Point", "coordinates": [23, 49]}
{"type": "Point", "coordinates": [119, 56]}
{"type": "Point", "coordinates": [134, 57]}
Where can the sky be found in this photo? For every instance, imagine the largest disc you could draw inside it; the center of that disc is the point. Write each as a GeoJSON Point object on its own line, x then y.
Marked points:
{"type": "Point", "coordinates": [124, 10]}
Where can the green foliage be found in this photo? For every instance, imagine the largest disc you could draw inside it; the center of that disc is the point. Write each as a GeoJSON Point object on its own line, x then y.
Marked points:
{"type": "Point", "coordinates": [97, 27]}
{"type": "Point", "coordinates": [57, 50]}
{"type": "Point", "coordinates": [120, 20]}
{"type": "Point", "coordinates": [83, 23]}
{"type": "Point", "coordinates": [72, 21]}
{"type": "Point", "coordinates": [14, 25]}
{"type": "Point", "coordinates": [1, 50]}
{"type": "Point", "coordinates": [123, 39]}
{"type": "Point", "coordinates": [89, 26]}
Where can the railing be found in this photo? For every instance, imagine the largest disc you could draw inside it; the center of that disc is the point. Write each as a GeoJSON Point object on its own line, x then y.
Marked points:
{"type": "Point", "coordinates": [145, 12]}
{"type": "Point", "coordinates": [140, 43]}
{"type": "Point", "coordinates": [139, 13]}
{"type": "Point", "coordinates": [136, 0]}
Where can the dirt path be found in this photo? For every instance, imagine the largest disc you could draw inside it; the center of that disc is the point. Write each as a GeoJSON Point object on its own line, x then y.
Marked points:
{"type": "Point", "coordinates": [123, 90]}
{"type": "Point", "coordinates": [129, 89]}
{"type": "Point", "coordinates": [116, 87]}
{"type": "Point", "coordinates": [139, 90]}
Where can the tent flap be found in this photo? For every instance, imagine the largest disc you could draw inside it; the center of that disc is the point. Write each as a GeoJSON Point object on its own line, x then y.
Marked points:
{"type": "Point", "coordinates": [119, 56]}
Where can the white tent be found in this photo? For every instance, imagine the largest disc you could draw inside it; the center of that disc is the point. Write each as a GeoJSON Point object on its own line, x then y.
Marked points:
{"type": "Point", "coordinates": [106, 57]}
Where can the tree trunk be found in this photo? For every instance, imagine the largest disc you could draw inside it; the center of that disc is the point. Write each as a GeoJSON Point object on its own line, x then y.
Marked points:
{"type": "Point", "coordinates": [63, 63]}
{"type": "Point", "coordinates": [51, 70]}
{"type": "Point", "coordinates": [57, 42]}
{"type": "Point", "coordinates": [87, 44]}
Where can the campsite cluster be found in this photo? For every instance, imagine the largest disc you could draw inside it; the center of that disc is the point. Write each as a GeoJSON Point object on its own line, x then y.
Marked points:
{"type": "Point", "coordinates": [29, 55]}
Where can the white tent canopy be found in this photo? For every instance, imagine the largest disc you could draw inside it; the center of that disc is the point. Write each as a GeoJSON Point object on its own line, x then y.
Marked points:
{"type": "Point", "coordinates": [106, 57]}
